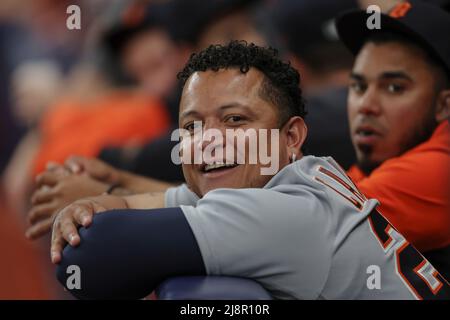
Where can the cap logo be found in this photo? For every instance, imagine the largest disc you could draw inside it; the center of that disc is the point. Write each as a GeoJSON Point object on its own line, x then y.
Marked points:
{"type": "Point", "coordinates": [400, 10]}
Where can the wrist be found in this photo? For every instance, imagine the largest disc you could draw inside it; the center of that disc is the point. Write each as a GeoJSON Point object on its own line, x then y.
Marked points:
{"type": "Point", "coordinates": [112, 187]}
{"type": "Point", "coordinates": [116, 189]}
{"type": "Point", "coordinates": [117, 177]}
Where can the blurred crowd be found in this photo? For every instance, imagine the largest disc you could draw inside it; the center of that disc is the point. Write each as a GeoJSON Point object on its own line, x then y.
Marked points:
{"type": "Point", "coordinates": [109, 90]}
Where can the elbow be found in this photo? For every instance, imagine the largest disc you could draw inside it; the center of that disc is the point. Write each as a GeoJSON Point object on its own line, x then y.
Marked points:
{"type": "Point", "coordinates": [85, 270]}
{"type": "Point", "coordinates": [70, 276]}
{"type": "Point", "coordinates": [95, 268]}
{"type": "Point", "coordinates": [77, 271]}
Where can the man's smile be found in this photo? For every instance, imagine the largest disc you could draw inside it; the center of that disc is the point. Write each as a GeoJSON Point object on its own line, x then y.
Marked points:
{"type": "Point", "coordinates": [216, 170]}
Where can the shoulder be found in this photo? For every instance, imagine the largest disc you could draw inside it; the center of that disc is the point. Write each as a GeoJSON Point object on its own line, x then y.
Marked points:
{"type": "Point", "coordinates": [309, 189]}
{"type": "Point", "coordinates": [294, 184]}
{"type": "Point", "coordinates": [180, 195]}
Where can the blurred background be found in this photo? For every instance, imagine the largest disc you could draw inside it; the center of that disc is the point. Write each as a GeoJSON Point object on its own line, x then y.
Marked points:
{"type": "Point", "coordinates": [109, 90]}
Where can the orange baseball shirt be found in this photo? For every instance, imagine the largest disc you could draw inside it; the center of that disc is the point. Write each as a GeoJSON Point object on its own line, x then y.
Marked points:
{"type": "Point", "coordinates": [116, 119]}
{"type": "Point", "coordinates": [414, 190]}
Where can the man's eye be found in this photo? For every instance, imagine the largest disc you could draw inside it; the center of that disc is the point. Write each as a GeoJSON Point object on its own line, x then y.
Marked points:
{"type": "Point", "coordinates": [234, 119]}
{"type": "Point", "coordinates": [357, 87]}
{"type": "Point", "coordinates": [192, 125]}
{"type": "Point", "coordinates": [395, 88]}
{"type": "Point", "coordinates": [189, 126]}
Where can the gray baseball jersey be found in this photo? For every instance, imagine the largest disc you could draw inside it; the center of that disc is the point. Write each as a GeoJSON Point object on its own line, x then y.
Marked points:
{"type": "Point", "coordinates": [308, 234]}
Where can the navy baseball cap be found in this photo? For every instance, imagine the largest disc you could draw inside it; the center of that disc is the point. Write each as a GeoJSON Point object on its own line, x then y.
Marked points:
{"type": "Point", "coordinates": [426, 24]}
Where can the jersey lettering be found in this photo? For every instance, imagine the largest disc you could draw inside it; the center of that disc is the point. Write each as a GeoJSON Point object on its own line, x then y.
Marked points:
{"type": "Point", "coordinates": [419, 276]}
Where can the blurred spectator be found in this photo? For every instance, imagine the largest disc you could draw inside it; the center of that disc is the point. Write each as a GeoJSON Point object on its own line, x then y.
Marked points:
{"type": "Point", "coordinates": [83, 123]}
{"type": "Point", "coordinates": [306, 28]}
{"type": "Point", "coordinates": [234, 19]}
{"type": "Point", "coordinates": [36, 51]}
{"type": "Point", "coordinates": [40, 26]}
{"type": "Point", "coordinates": [34, 85]}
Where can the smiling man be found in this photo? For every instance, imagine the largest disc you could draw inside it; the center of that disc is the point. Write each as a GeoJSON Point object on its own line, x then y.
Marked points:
{"type": "Point", "coordinates": [398, 109]}
{"type": "Point", "coordinates": [241, 108]}
{"type": "Point", "coordinates": [305, 232]}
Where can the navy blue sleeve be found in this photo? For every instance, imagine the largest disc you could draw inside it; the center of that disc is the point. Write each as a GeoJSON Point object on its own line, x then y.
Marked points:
{"type": "Point", "coordinates": [125, 254]}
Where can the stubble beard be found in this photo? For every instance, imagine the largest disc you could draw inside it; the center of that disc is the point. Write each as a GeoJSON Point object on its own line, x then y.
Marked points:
{"type": "Point", "coordinates": [420, 135]}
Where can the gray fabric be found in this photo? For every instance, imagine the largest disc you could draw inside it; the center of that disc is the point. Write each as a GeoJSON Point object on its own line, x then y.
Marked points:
{"type": "Point", "coordinates": [178, 196]}
{"type": "Point", "coordinates": [296, 236]}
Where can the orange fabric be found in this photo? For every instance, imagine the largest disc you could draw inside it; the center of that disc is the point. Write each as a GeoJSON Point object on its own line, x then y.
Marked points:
{"type": "Point", "coordinates": [85, 129]}
{"type": "Point", "coordinates": [414, 191]}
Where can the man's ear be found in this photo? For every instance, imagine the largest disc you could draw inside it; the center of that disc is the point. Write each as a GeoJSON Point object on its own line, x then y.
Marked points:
{"type": "Point", "coordinates": [296, 132]}
{"type": "Point", "coordinates": [443, 106]}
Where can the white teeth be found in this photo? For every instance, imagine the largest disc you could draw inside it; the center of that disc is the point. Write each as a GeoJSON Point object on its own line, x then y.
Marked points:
{"type": "Point", "coordinates": [209, 167]}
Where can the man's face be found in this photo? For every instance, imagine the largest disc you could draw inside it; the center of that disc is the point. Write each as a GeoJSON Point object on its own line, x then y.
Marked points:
{"type": "Point", "coordinates": [151, 58]}
{"type": "Point", "coordinates": [391, 102]}
{"type": "Point", "coordinates": [227, 99]}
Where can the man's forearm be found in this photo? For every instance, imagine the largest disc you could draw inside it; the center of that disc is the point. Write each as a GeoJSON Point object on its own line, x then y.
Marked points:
{"type": "Point", "coordinates": [139, 184]}
{"type": "Point", "coordinates": [152, 200]}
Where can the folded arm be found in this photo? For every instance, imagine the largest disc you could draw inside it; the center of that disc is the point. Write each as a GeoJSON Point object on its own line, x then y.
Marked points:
{"type": "Point", "coordinates": [125, 254]}
{"type": "Point", "coordinates": [81, 214]}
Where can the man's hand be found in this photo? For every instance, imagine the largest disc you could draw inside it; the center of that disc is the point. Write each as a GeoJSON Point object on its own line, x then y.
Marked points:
{"type": "Point", "coordinates": [103, 172]}
{"type": "Point", "coordinates": [56, 189]}
{"type": "Point", "coordinates": [81, 177]}
{"type": "Point", "coordinates": [79, 213]}
{"type": "Point", "coordinates": [95, 168]}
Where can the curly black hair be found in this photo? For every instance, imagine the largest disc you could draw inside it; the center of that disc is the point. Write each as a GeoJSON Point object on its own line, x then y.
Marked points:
{"type": "Point", "coordinates": [280, 87]}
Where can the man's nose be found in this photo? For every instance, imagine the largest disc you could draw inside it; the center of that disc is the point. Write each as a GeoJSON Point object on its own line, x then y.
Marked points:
{"type": "Point", "coordinates": [369, 102]}
{"type": "Point", "coordinates": [212, 136]}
